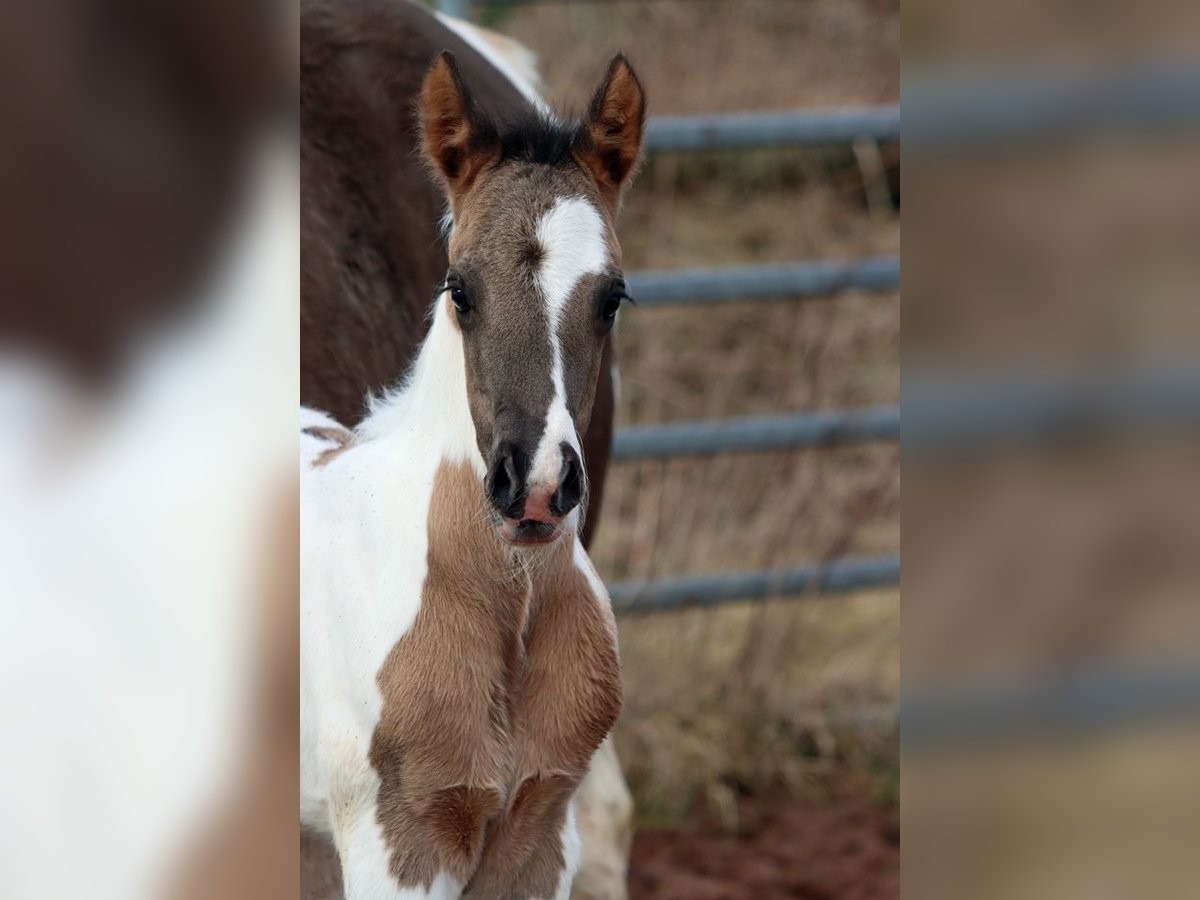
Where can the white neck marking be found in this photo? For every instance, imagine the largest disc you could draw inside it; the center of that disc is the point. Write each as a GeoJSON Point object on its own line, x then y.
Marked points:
{"type": "Point", "coordinates": [430, 404]}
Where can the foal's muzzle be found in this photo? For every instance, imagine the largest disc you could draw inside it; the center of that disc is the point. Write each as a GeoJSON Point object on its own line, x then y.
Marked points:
{"type": "Point", "coordinates": [533, 511]}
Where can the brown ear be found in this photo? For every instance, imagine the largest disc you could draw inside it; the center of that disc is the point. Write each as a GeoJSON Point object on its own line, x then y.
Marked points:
{"type": "Point", "coordinates": [610, 142]}
{"type": "Point", "coordinates": [460, 140]}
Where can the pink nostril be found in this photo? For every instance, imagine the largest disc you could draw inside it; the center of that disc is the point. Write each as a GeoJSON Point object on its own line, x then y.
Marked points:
{"type": "Point", "coordinates": [537, 506]}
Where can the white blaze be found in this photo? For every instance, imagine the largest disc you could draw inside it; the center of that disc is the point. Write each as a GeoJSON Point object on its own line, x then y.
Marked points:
{"type": "Point", "coordinates": [573, 244]}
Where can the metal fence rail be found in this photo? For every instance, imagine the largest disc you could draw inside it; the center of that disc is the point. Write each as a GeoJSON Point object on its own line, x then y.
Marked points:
{"type": "Point", "coordinates": [1070, 703]}
{"type": "Point", "coordinates": [801, 279]}
{"type": "Point", "coordinates": [757, 433]}
{"type": "Point", "coordinates": [838, 576]}
{"type": "Point", "coordinates": [953, 413]}
{"type": "Point", "coordinates": [955, 114]}
{"type": "Point", "coordinates": [790, 280]}
{"type": "Point", "coordinates": [741, 131]}
{"type": "Point", "coordinates": [944, 415]}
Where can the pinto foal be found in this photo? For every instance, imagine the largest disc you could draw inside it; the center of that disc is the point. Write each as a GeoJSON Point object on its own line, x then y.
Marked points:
{"type": "Point", "coordinates": [459, 657]}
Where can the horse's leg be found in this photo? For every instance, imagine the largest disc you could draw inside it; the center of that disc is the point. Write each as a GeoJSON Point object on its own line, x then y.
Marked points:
{"type": "Point", "coordinates": [571, 853]}
{"type": "Point", "coordinates": [569, 700]}
{"type": "Point", "coordinates": [534, 850]}
{"type": "Point", "coordinates": [366, 867]}
{"type": "Point", "coordinates": [604, 813]}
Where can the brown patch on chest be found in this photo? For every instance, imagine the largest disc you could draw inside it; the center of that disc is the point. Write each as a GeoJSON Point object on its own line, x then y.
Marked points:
{"type": "Point", "coordinates": [493, 704]}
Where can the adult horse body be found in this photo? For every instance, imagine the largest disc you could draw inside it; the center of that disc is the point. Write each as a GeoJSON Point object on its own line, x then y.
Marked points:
{"type": "Point", "coordinates": [459, 661]}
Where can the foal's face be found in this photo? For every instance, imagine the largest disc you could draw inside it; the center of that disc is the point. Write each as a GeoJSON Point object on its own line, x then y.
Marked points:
{"type": "Point", "coordinates": [534, 284]}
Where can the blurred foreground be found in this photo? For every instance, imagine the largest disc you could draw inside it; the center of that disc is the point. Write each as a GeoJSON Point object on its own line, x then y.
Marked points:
{"type": "Point", "coordinates": [148, 346]}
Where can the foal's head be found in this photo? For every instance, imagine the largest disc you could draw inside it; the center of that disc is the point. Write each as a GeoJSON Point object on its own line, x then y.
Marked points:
{"type": "Point", "coordinates": [535, 281]}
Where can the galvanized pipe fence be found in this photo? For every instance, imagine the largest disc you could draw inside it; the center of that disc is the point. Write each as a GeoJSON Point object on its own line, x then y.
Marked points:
{"type": "Point", "coordinates": [758, 433]}
{"type": "Point", "coordinates": [785, 128]}
{"type": "Point", "coordinates": [797, 280]}
{"type": "Point", "coordinates": [765, 282]}
{"type": "Point", "coordinates": [836, 577]}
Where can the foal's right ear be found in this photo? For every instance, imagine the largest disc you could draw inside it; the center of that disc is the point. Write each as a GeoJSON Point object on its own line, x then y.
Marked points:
{"type": "Point", "coordinates": [610, 142]}
{"type": "Point", "coordinates": [460, 140]}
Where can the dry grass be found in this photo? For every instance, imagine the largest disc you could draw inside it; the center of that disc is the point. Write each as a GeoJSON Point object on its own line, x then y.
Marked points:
{"type": "Point", "coordinates": [719, 55]}
{"type": "Point", "coordinates": [747, 698]}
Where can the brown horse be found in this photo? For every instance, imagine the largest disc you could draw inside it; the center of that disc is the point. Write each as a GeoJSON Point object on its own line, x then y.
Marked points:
{"type": "Point", "coordinates": [372, 246]}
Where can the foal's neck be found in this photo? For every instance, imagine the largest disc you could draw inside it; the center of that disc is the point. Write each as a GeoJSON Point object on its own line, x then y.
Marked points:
{"type": "Point", "coordinates": [431, 402]}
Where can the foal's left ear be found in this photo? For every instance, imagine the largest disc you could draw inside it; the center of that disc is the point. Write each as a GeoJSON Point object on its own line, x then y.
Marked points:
{"type": "Point", "coordinates": [610, 142]}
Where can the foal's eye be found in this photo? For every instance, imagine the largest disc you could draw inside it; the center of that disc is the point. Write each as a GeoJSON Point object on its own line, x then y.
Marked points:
{"type": "Point", "coordinates": [459, 297]}
{"type": "Point", "coordinates": [611, 304]}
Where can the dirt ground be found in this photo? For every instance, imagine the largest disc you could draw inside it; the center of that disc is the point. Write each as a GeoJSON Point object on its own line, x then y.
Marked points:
{"type": "Point", "coordinates": [846, 849]}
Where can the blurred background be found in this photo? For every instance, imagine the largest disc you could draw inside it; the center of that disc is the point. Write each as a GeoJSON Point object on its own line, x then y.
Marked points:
{"type": "Point", "coordinates": [759, 737]}
{"type": "Point", "coordinates": [1051, 398]}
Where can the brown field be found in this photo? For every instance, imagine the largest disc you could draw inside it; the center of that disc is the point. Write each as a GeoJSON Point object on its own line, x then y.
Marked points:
{"type": "Point", "coordinates": [728, 707]}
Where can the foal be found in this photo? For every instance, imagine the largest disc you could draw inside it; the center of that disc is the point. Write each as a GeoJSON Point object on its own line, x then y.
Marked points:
{"type": "Point", "coordinates": [459, 659]}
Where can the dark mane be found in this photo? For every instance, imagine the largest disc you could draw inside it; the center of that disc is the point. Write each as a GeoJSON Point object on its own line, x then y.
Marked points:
{"type": "Point", "coordinates": [536, 138]}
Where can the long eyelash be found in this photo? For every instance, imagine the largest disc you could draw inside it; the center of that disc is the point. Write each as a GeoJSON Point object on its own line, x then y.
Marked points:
{"type": "Point", "coordinates": [622, 294]}
{"type": "Point", "coordinates": [449, 281]}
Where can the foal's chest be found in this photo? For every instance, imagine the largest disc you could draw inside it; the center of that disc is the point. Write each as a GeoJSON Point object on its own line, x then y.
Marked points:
{"type": "Point", "coordinates": [493, 703]}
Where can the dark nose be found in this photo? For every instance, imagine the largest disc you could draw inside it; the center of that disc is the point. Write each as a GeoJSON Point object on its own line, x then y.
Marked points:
{"type": "Point", "coordinates": [506, 480]}
{"type": "Point", "coordinates": [513, 497]}
{"type": "Point", "coordinates": [570, 483]}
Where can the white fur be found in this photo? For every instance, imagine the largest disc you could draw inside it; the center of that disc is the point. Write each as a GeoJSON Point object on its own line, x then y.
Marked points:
{"type": "Point", "coordinates": [572, 852]}
{"type": "Point", "coordinates": [583, 563]}
{"type": "Point", "coordinates": [572, 236]}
